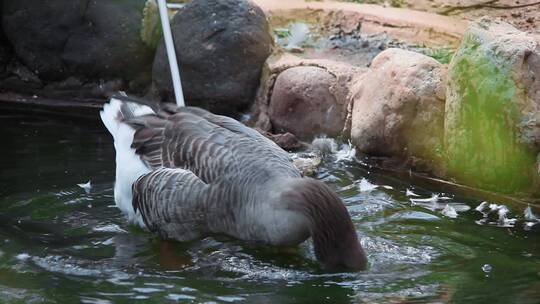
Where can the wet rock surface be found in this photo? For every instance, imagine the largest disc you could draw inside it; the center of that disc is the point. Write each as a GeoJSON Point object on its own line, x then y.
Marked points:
{"type": "Point", "coordinates": [398, 106]}
{"type": "Point", "coordinates": [221, 46]}
{"type": "Point", "coordinates": [492, 121]}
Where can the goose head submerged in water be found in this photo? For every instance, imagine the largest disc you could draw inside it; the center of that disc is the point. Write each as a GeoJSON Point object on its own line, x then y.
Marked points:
{"type": "Point", "coordinates": [334, 237]}
{"type": "Point", "coordinates": [185, 173]}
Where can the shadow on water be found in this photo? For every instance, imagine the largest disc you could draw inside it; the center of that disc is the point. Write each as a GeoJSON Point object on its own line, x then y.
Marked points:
{"type": "Point", "coordinates": [61, 244]}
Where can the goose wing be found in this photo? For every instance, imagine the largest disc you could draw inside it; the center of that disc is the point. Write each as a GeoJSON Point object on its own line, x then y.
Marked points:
{"type": "Point", "coordinates": [172, 204]}
{"type": "Point", "coordinates": [211, 146]}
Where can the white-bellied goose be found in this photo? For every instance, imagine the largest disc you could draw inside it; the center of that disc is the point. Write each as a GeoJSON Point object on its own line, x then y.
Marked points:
{"type": "Point", "coordinates": [185, 173]}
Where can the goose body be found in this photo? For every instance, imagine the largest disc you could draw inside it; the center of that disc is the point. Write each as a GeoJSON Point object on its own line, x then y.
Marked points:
{"type": "Point", "coordinates": [185, 173]}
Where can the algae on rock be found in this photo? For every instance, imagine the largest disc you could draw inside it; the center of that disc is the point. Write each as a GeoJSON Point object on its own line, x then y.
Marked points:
{"type": "Point", "coordinates": [488, 100]}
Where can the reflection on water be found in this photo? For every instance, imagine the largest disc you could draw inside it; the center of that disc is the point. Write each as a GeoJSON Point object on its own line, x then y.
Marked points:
{"type": "Point", "coordinates": [61, 243]}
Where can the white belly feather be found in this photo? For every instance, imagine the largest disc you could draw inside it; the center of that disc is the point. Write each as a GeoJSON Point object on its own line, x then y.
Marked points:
{"type": "Point", "coordinates": [129, 165]}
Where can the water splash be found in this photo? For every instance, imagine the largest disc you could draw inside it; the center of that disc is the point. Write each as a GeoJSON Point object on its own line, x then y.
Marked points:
{"type": "Point", "coordinates": [347, 152]}
{"type": "Point", "coordinates": [449, 211]}
{"type": "Point", "coordinates": [529, 215]}
{"type": "Point", "coordinates": [86, 186]}
{"type": "Point", "coordinates": [366, 186]}
{"type": "Point", "coordinates": [324, 145]}
{"type": "Point", "coordinates": [409, 192]}
{"type": "Point", "coordinates": [482, 207]}
{"type": "Point", "coordinates": [491, 210]}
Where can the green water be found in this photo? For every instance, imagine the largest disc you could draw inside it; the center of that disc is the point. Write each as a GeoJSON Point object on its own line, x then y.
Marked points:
{"type": "Point", "coordinates": [59, 244]}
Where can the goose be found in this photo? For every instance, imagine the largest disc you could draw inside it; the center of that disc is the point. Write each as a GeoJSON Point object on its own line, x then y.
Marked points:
{"type": "Point", "coordinates": [185, 173]}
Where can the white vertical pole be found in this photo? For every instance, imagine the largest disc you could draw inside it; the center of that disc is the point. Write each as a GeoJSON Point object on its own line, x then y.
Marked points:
{"type": "Point", "coordinates": [171, 54]}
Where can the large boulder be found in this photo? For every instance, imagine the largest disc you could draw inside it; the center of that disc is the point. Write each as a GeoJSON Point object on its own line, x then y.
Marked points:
{"type": "Point", "coordinates": [90, 39]}
{"type": "Point", "coordinates": [492, 122]}
{"type": "Point", "coordinates": [306, 97]}
{"type": "Point", "coordinates": [221, 48]}
{"type": "Point", "coordinates": [398, 106]}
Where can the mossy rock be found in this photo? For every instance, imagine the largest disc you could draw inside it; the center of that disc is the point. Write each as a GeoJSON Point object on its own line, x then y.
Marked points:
{"type": "Point", "coordinates": [491, 121]}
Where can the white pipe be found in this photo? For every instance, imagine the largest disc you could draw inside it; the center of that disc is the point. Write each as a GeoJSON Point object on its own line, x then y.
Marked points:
{"type": "Point", "coordinates": [171, 54]}
{"type": "Point", "coordinates": [175, 6]}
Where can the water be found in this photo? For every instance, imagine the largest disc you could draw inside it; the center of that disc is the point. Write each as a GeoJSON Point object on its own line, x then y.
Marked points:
{"type": "Point", "coordinates": [61, 244]}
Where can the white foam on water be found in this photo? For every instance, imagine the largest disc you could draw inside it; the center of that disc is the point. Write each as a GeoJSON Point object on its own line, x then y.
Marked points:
{"type": "Point", "coordinates": [529, 215]}
{"type": "Point", "coordinates": [179, 297]}
{"type": "Point", "coordinates": [366, 186]}
{"type": "Point", "coordinates": [482, 206]}
{"type": "Point", "coordinates": [409, 192]}
{"type": "Point", "coordinates": [22, 256]}
{"type": "Point", "coordinates": [347, 152]}
{"type": "Point", "coordinates": [86, 186]}
{"type": "Point", "coordinates": [109, 228]}
{"type": "Point", "coordinates": [449, 211]}
{"type": "Point", "coordinates": [146, 289]}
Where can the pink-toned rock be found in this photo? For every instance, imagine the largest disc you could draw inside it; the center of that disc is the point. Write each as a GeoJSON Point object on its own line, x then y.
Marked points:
{"type": "Point", "coordinates": [398, 106]}
{"type": "Point", "coordinates": [302, 103]}
{"type": "Point", "coordinates": [304, 97]}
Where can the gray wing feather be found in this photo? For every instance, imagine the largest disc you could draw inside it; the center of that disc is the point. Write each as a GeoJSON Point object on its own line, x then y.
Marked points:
{"type": "Point", "coordinates": [209, 145]}
{"type": "Point", "coordinates": [172, 204]}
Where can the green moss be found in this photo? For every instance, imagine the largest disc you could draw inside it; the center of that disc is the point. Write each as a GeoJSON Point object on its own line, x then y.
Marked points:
{"type": "Point", "coordinates": [151, 26]}
{"type": "Point", "coordinates": [442, 55]}
{"type": "Point", "coordinates": [484, 148]}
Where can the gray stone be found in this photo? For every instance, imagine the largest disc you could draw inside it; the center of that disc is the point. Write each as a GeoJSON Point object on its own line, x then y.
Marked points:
{"type": "Point", "coordinates": [88, 39]}
{"type": "Point", "coordinates": [221, 47]}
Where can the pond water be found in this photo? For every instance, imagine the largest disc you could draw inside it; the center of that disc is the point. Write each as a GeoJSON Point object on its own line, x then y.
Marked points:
{"type": "Point", "coordinates": [59, 244]}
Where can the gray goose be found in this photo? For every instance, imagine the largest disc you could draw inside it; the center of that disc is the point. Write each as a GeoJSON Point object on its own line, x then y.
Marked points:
{"type": "Point", "coordinates": [185, 173]}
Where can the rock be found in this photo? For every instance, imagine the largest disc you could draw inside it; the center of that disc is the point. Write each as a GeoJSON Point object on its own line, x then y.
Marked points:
{"type": "Point", "coordinates": [398, 106]}
{"type": "Point", "coordinates": [304, 97]}
{"type": "Point", "coordinates": [221, 48]}
{"type": "Point", "coordinates": [88, 39]}
{"type": "Point", "coordinates": [492, 120]}
{"type": "Point", "coordinates": [302, 103]}
{"type": "Point", "coordinates": [286, 141]}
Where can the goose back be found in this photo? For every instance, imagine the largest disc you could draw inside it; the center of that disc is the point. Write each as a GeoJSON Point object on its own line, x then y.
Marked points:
{"type": "Point", "coordinates": [234, 165]}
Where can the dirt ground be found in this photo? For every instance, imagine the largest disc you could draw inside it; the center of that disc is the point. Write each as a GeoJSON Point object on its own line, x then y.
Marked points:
{"type": "Point", "coordinates": [433, 22]}
{"type": "Point", "coordinates": [526, 18]}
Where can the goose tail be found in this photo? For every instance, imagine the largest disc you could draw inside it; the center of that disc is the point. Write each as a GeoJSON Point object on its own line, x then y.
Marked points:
{"type": "Point", "coordinates": [129, 166]}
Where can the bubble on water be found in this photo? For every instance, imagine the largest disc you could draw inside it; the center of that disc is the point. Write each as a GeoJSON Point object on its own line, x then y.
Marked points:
{"type": "Point", "coordinates": [487, 268]}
